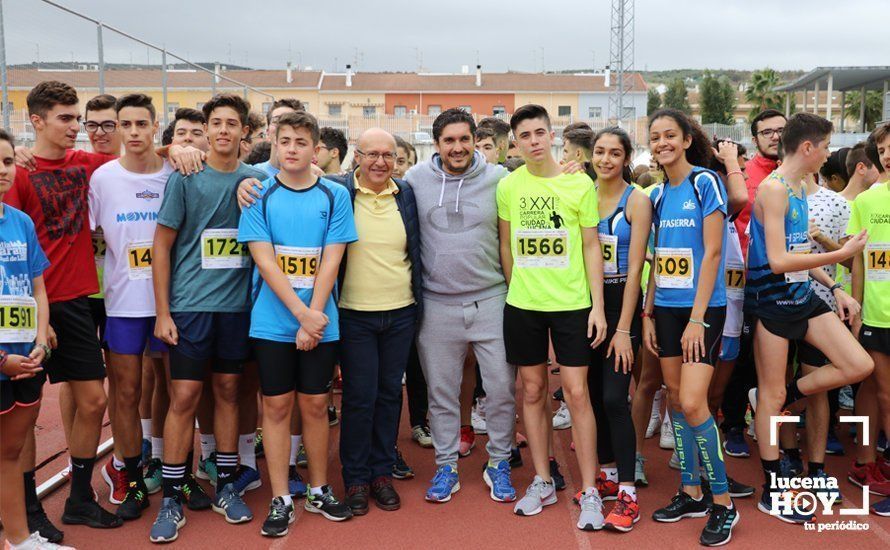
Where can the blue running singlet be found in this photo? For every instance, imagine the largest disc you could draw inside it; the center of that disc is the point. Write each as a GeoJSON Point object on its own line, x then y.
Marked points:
{"type": "Point", "coordinates": [614, 235]}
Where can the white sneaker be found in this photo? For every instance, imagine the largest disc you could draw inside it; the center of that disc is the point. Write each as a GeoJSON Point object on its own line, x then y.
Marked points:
{"type": "Point", "coordinates": [562, 420]}
{"type": "Point", "coordinates": [666, 440]}
{"type": "Point", "coordinates": [751, 431]}
{"type": "Point", "coordinates": [674, 462]}
{"type": "Point", "coordinates": [421, 435]}
{"type": "Point", "coordinates": [655, 417]}
{"type": "Point", "coordinates": [477, 417]}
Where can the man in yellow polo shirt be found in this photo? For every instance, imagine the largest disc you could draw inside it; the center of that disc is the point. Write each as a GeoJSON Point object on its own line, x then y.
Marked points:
{"type": "Point", "coordinates": [380, 304]}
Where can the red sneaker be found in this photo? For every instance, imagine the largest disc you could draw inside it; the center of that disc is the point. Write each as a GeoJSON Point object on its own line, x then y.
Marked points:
{"type": "Point", "coordinates": [884, 467]}
{"type": "Point", "coordinates": [607, 489]}
{"type": "Point", "coordinates": [623, 516]}
{"type": "Point", "coordinates": [467, 441]}
{"type": "Point", "coordinates": [117, 482]}
{"type": "Point", "coordinates": [869, 475]}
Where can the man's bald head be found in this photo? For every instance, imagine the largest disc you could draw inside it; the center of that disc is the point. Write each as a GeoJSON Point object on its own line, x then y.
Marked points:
{"type": "Point", "coordinates": [375, 136]}
{"type": "Point", "coordinates": [375, 155]}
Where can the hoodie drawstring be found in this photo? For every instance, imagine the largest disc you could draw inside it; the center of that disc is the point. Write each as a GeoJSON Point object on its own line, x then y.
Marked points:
{"type": "Point", "coordinates": [457, 199]}
{"type": "Point", "coordinates": [442, 192]}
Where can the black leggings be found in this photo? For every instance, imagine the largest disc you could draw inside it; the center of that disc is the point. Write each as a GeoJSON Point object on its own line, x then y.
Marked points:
{"type": "Point", "coordinates": [615, 436]}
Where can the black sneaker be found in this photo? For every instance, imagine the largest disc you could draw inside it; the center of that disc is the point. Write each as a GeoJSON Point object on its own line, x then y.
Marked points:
{"type": "Point", "coordinates": [327, 505]}
{"type": "Point", "coordinates": [195, 496]}
{"type": "Point", "coordinates": [558, 395]}
{"type": "Point", "coordinates": [280, 516]}
{"type": "Point", "coordinates": [718, 530]}
{"type": "Point", "coordinates": [332, 416]}
{"type": "Point", "coordinates": [401, 470]}
{"type": "Point", "coordinates": [134, 503]}
{"type": "Point", "coordinates": [515, 458]}
{"type": "Point", "coordinates": [559, 482]}
{"type": "Point", "coordinates": [739, 490]}
{"type": "Point", "coordinates": [681, 506]}
{"type": "Point", "coordinates": [38, 522]}
{"type": "Point", "coordinates": [89, 513]}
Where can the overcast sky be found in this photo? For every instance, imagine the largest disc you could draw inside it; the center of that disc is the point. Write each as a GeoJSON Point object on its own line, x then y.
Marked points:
{"type": "Point", "coordinates": [396, 35]}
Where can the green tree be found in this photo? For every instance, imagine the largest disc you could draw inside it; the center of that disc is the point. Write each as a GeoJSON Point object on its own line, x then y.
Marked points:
{"type": "Point", "coordinates": [716, 100]}
{"type": "Point", "coordinates": [761, 92]}
{"type": "Point", "coordinates": [675, 96]}
{"type": "Point", "coordinates": [874, 107]}
{"type": "Point", "coordinates": [653, 101]}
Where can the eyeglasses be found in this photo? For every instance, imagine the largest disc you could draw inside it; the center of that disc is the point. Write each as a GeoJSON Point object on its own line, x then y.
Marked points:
{"type": "Point", "coordinates": [770, 132]}
{"type": "Point", "coordinates": [107, 126]}
{"type": "Point", "coordinates": [374, 156]}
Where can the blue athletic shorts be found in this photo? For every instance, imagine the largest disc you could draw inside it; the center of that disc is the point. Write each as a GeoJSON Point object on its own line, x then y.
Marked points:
{"type": "Point", "coordinates": [729, 348]}
{"type": "Point", "coordinates": [131, 335]}
{"type": "Point", "coordinates": [223, 337]}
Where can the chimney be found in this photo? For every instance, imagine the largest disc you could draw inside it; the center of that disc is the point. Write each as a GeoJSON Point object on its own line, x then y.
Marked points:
{"type": "Point", "coordinates": [290, 74]}
{"type": "Point", "coordinates": [608, 74]}
{"type": "Point", "coordinates": [349, 76]}
{"type": "Point", "coordinates": [478, 76]}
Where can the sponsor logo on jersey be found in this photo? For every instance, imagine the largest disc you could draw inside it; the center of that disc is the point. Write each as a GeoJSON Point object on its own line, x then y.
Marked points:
{"type": "Point", "coordinates": [124, 217]}
{"type": "Point", "coordinates": [147, 195]}
{"type": "Point", "coordinates": [689, 205]}
{"type": "Point", "coordinates": [678, 222]}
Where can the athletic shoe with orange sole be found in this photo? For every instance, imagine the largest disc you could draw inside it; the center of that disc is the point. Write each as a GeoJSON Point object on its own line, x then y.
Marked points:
{"type": "Point", "coordinates": [625, 513]}
{"type": "Point", "coordinates": [117, 482]}
{"type": "Point", "coordinates": [869, 475]}
{"type": "Point", "coordinates": [607, 489]}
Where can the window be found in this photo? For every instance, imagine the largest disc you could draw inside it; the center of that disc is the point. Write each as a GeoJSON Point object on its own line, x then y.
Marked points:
{"type": "Point", "coordinates": [369, 111]}
{"type": "Point", "coordinates": [434, 110]}
{"type": "Point", "coordinates": [499, 110]}
{"type": "Point", "coordinates": [466, 108]}
{"type": "Point", "coordinates": [564, 110]}
{"type": "Point", "coordinates": [171, 110]}
{"type": "Point", "coordinates": [400, 111]}
{"type": "Point", "coordinates": [335, 109]}
{"type": "Point", "coordinates": [594, 112]}
{"type": "Point", "coordinates": [629, 113]}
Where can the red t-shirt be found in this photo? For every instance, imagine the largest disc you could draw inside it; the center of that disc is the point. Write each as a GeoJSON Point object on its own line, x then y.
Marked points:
{"type": "Point", "coordinates": [55, 197]}
{"type": "Point", "coordinates": [757, 169]}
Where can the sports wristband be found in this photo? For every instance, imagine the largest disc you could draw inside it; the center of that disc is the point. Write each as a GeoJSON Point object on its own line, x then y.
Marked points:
{"type": "Point", "coordinates": [835, 286]}
{"type": "Point", "coordinates": [649, 315]}
{"type": "Point", "coordinates": [697, 322]}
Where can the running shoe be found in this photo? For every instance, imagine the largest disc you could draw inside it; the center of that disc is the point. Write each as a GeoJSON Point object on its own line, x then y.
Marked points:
{"type": "Point", "coordinates": [681, 506]}
{"type": "Point", "coordinates": [258, 449]}
{"type": "Point", "coordinates": [624, 514]}
{"type": "Point", "coordinates": [467, 441]}
{"type": "Point", "coordinates": [302, 461]}
{"type": "Point", "coordinates": [521, 440]}
{"type": "Point", "coordinates": [558, 395]}
{"type": "Point", "coordinates": [674, 462]}
{"type": "Point", "coordinates": [38, 522]}
{"type": "Point", "coordinates": [196, 498]}
{"type": "Point", "coordinates": [562, 419]}
{"type": "Point", "coordinates": [735, 445]}
{"type": "Point", "coordinates": [845, 398]}
{"type": "Point", "coordinates": [117, 482]}
{"type": "Point", "coordinates": [295, 484]}
{"type": "Point", "coordinates": [229, 503]}
{"type": "Point", "coordinates": [134, 502]}
{"type": "Point", "coordinates": [539, 494]}
{"type": "Point", "coordinates": [655, 415]}
{"type": "Point", "coordinates": [607, 489]}
{"type": "Point", "coordinates": [869, 475]}
{"type": "Point", "coordinates": [737, 489]}
{"type": "Point", "coordinates": [833, 446]}
{"type": "Point", "coordinates": [591, 517]}
{"type": "Point", "coordinates": [788, 514]}
{"type": "Point", "coordinates": [477, 418]}
{"type": "Point", "coordinates": [498, 480]}
{"type": "Point", "coordinates": [444, 484]}
{"type": "Point", "coordinates": [280, 516]}
{"type": "Point", "coordinates": [146, 451]}
{"type": "Point", "coordinates": [640, 472]}
{"type": "Point", "coordinates": [168, 523]}
{"type": "Point", "coordinates": [790, 467]}
{"type": "Point", "coordinates": [559, 481]}
{"type": "Point", "coordinates": [881, 508]}
{"type": "Point", "coordinates": [401, 470]}
{"type": "Point", "coordinates": [332, 416]}
{"type": "Point", "coordinates": [883, 467]}
{"type": "Point", "coordinates": [153, 477]}
{"type": "Point", "coordinates": [666, 439]}
{"type": "Point", "coordinates": [830, 493]}
{"type": "Point", "coordinates": [718, 529]}
{"type": "Point", "coordinates": [207, 469]}
{"type": "Point", "coordinates": [36, 542]}
{"type": "Point", "coordinates": [327, 505]}
{"type": "Point", "coordinates": [246, 479]}
{"type": "Point", "coordinates": [752, 431]}
{"type": "Point", "coordinates": [422, 436]}
{"type": "Point", "coordinates": [515, 458]}
{"type": "Point", "coordinates": [89, 513]}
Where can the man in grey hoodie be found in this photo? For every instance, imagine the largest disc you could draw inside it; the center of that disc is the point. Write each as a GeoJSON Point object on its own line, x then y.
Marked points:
{"type": "Point", "coordinates": [463, 293]}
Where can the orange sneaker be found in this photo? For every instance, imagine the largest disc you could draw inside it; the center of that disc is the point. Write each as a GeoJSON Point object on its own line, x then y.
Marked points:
{"type": "Point", "coordinates": [607, 489]}
{"type": "Point", "coordinates": [467, 441]}
{"type": "Point", "coordinates": [623, 516]}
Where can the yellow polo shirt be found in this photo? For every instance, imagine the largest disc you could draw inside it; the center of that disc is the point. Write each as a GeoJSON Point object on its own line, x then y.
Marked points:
{"type": "Point", "coordinates": [378, 271]}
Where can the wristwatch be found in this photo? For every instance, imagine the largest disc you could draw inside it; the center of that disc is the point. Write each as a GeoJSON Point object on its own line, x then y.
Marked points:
{"type": "Point", "coordinates": [47, 352]}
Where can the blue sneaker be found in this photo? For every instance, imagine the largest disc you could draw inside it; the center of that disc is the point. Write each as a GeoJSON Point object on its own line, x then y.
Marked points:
{"type": "Point", "coordinates": [170, 521]}
{"type": "Point", "coordinates": [228, 503]}
{"type": "Point", "coordinates": [246, 479]}
{"type": "Point", "coordinates": [829, 493]}
{"type": "Point", "coordinates": [790, 467]}
{"type": "Point", "coordinates": [833, 446]}
{"type": "Point", "coordinates": [295, 484]}
{"type": "Point", "coordinates": [881, 508]}
{"type": "Point", "coordinates": [146, 451]}
{"type": "Point", "coordinates": [207, 469]}
{"type": "Point", "coordinates": [735, 444]}
{"type": "Point", "coordinates": [788, 515]}
{"type": "Point", "coordinates": [498, 479]}
{"type": "Point", "coordinates": [444, 484]}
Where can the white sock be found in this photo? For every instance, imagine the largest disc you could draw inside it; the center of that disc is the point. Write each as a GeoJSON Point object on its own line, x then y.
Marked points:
{"type": "Point", "coordinates": [288, 500]}
{"type": "Point", "coordinates": [118, 464]}
{"type": "Point", "coordinates": [630, 490]}
{"type": "Point", "coordinates": [315, 491]}
{"type": "Point", "coordinates": [611, 474]}
{"type": "Point", "coordinates": [157, 447]}
{"type": "Point", "coordinates": [294, 445]}
{"type": "Point", "coordinates": [208, 445]}
{"type": "Point", "coordinates": [247, 450]}
{"type": "Point", "coordinates": [146, 428]}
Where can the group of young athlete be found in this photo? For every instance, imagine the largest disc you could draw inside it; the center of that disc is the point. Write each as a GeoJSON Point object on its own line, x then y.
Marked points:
{"type": "Point", "coordinates": [231, 280]}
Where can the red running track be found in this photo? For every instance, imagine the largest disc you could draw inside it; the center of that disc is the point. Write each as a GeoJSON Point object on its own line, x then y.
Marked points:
{"type": "Point", "coordinates": [471, 519]}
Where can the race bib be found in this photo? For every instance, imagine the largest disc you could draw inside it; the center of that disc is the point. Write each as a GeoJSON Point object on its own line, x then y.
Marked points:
{"type": "Point", "coordinates": [609, 244]}
{"type": "Point", "coordinates": [99, 247]}
{"type": "Point", "coordinates": [674, 267]}
{"type": "Point", "coordinates": [542, 248]}
{"type": "Point", "coordinates": [735, 281]}
{"type": "Point", "coordinates": [18, 319]}
{"type": "Point", "coordinates": [299, 264]}
{"type": "Point", "coordinates": [220, 249]}
{"type": "Point", "coordinates": [139, 260]}
{"type": "Point", "coordinates": [799, 276]}
{"type": "Point", "coordinates": [877, 262]}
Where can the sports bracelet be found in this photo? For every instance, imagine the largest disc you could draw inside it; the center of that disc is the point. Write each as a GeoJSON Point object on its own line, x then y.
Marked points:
{"type": "Point", "coordinates": [622, 331]}
{"type": "Point", "coordinates": [649, 315]}
{"type": "Point", "coordinates": [835, 286]}
{"type": "Point", "coordinates": [731, 172]}
{"type": "Point", "coordinates": [697, 322]}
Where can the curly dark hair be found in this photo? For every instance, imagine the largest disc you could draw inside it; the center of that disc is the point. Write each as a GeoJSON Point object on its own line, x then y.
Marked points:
{"type": "Point", "coordinates": [699, 152]}
{"type": "Point", "coordinates": [48, 94]}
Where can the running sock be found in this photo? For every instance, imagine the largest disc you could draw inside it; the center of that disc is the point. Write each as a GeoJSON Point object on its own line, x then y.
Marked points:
{"type": "Point", "coordinates": [81, 475]}
{"type": "Point", "coordinates": [315, 491]}
{"type": "Point", "coordinates": [792, 453]}
{"type": "Point", "coordinates": [792, 394]}
{"type": "Point", "coordinates": [707, 437]}
{"type": "Point", "coordinates": [157, 447]}
{"type": "Point", "coordinates": [288, 500]}
{"type": "Point", "coordinates": [247, 449]}
{"type": "Point", "coordinates": [631, 491]}
{"type": "Point", "coordinates": [134, 471]}
{"type": "Point", "coordinates": [226, 465]}
{"type": "Point", "coordinates": [770, 467]}
{"type": "Point", "coordinates": [294, 446]}
{"type": "Point", "coordinates": [208, 445]}
{"type": "Point", "coordinates": [146, 428]}
{"type": "Point", "coordinates": [815, 467]}
{"type": "Point", "coordinates": [173, 480]}
{"type": "Point", "coordinates": [117, 463]}
{"type": "Point", "coordinates": [31, 500]}
{"type": "Point", "coordinates": [687, 450]}
{"type": "Point", "coordinates": [611, 474]}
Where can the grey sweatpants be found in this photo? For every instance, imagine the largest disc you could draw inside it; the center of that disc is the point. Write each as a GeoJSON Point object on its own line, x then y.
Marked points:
{"type": "Point", "coordinates": [445, 333]}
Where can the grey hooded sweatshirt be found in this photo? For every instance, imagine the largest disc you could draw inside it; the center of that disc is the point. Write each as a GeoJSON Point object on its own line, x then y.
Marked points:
{"type": "Point", "coordinates": [458, 230]}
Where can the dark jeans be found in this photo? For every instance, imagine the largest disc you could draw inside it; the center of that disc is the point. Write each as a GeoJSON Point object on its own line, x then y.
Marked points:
{"type": "Point", "coordinates": [373, 354]}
